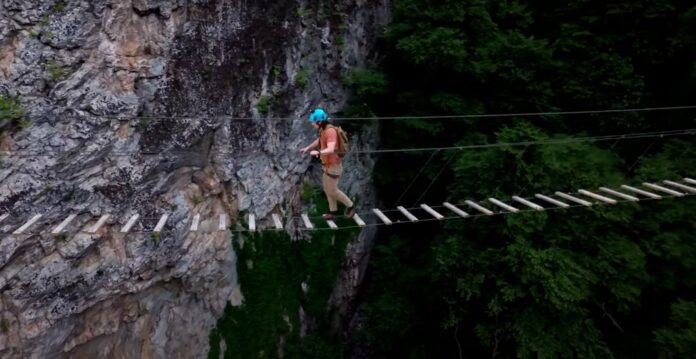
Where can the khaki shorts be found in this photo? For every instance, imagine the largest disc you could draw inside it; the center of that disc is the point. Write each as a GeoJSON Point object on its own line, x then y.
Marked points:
{"type": "Point", "coordinates": [334, 171]}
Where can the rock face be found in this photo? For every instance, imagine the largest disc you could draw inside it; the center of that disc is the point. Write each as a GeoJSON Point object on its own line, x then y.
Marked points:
{"type": "Point", "coordinates": [152, 107]}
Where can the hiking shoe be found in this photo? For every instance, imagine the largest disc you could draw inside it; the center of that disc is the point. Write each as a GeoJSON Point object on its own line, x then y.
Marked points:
{"type": "Point", "coordinates": [327, 216]}
{"type": "Point", "coordinates": [350, 212]}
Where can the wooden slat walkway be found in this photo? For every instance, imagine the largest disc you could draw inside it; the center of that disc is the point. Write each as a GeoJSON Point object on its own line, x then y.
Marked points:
{"type": "Point", "coordinates": [99, 224]}
{"type": "Point", "coordinates": [26, 226]}
{"type": "Point", "coordinates": [195, 222]}
{"type": "Point", "coordinates": [432, 212]}
{"type": "Point", "coordinates": [609, 196]}
{"type": "Point", "coordinates": [131, 222]}
{"type": "Point", "coordinates": [61, 227]}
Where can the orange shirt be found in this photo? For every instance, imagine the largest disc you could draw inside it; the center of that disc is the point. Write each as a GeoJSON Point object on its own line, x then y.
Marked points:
{"type": "Point", "coordinates": [326, 136]}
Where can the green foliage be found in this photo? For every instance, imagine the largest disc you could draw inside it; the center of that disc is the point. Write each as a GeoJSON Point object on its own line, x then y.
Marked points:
{"type": "Point", "coordinates": [197, 200]}
{"type": "Point", "coordinates": [671, 163]}
{"type": "Point", "coordinates": [528, 273]}
{"type": "Point", "coordinates": [678, 340]}
{"type": "Point", "coordinates": [155, 237]}
{"type": "Point", "coordinates": [263, 104]}
{"type": "Point", "coordinates": [310, 193]}
{"type": "Point", "coordinates": [563, 166]}
{"type": "Point", "coordinates": [341, 43]}
{"type": "Point", "coordinates": [323, 13]}
{"type": "Point", "coordinates": [55, 72]}
{"type": "Point", "coordinates": [59, 6]}
{"type": "Point", "coordinates": [398, 267]}
{"type": "Point", "coordinates": [594, 282]}
{"type": "Point", "coordinates": [44, 21]}
{"type": "Point", "coordinates": [272, 272]}
{"type": "Point", "coordinates": [314, 346]}
{"type": "Point", "coordinates": [304, 12]}
{"type": "Point", "coordinates": [276, 71]}
{"type": "Point", "coordinates": [10, 110]}
{"type": "Point", "coordinates": [302, 78]}
{"type": "Point", "coordinates": [367, 83]}
{"type": "Point", "coordinates": [46, 35]}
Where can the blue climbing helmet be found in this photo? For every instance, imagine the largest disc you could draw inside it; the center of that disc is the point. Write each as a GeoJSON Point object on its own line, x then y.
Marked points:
{"type": "Point", "coordinates": [318, 115]}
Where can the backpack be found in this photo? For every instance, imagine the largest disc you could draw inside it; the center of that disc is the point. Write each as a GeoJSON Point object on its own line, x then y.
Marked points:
{"type": "Point", "coordinates": [342, 146]}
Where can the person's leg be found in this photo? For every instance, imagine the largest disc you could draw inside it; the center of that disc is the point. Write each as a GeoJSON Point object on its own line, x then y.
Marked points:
{"type": "Point", "coordinates": [350, 209]}
{"type": "Point", "coordinates": [334, 173]}
{"type": "Point", "coordinates": [330, 189]}
{"type": "Point", "coordinates": [341, 197]}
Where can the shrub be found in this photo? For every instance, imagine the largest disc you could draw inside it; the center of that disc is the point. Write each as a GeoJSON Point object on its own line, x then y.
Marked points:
{"type": "Point", "coordinates": [10, 110]}
{"type": "Point", "coordinates": [55, 72]}
{"type": "Point", "coordinates": [302, 78]}
{"type": "Point", "coordinates": [263, 104]}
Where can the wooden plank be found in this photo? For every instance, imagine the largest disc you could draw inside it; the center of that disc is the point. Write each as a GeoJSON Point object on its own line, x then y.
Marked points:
{"type": "Point", "coordinates": [456, 210]}
{"type": "Point", "coordinates": [161, 223]}
{"type": "Point", "coordinates": [573, 199]}
{"type": "Point", "coordinates": [527, 203]}
{"type": "Point", "coordinates": [597, 196]}
{"type": "Point", "coordinates": [4, 216]}
{"type": "Point", "coordinates": [690, 180]}
{"type": "Point", "coordinates": [663, 189]}
{"type": "Point", "coordinates": [552, 200]}
{"type": "Point", "coordinates": [276, 220]}
{"type": "Point", "coordinates": [222, 224]}
{"type": "Point", "coordinates": [619, 194]}
{"type": "Point", "coordinates": [382, 217]}
{"type": "Point", "coordinates": [196, 222]}
{"type": "Point", "coordinates": [680, 186]}
{"type": "Point", "coordinates": [99, 223]}
{"type": "Point", "coordinates": [359, 221]}
{"type": "Point", "coordinates": [332, 224]}
{"type": "Point", "coordinates": [432, 212]}
{"type": "Point", "coordinates": [26, 226]}
{"type": "Point", "coordinates": [406, 213]}
{"type": "Point", "coordinates": [503, 205]}
{"type": "Point", "coordinates": [252, 222]}
{"type": "Point", "coordinates": [308, 224]}
{"type": "Point", "coordinates": [130, 224]}
{"type": "Point", "coordinates": [479, 208]}
{"type": "Point", "coordinates": [640, 191]}
{"type": "Point", "coordinates": [59, 229]}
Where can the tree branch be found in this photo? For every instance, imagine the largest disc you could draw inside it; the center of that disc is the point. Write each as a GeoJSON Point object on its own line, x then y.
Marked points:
{"type": "Point", "coordinates": [459, 345]}
{"type": "Point", "coordinates": [495, 348]}
{"type": "Point", "coordinates": [611, 317]}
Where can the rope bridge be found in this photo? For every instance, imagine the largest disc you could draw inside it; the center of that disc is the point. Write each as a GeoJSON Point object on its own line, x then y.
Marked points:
{"type": "Point", "coordinates": [382, 217]}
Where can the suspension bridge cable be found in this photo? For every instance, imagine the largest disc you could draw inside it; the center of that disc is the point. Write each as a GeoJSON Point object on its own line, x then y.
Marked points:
{"type": "Point", "coordinates": [540, 142]}
{"type": "Point", "coordinates": [434, 179]}
{"type": "Point", "coordinates": [652, 143]}
{"type": "Point", "coordinates": [568, 140]}
{"type": "Point", "coordinates": [415, 178]}
{"type": "Point", "coordinates": [377, 118]}
{"type": "Point", "coordinates": [528, 182]}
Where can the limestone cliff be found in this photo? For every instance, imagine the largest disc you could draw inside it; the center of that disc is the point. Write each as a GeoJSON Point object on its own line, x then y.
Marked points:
{"type": "Point", "coordinates": [130, 107]}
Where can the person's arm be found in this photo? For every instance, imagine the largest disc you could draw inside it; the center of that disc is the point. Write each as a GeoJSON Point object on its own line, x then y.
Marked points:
{"type": "Point", "coordinates": [330, 148]}
{"type": "Point", "coordinates": [331, 140]}
{"type": "Point", "coordinates": [313, 145]}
